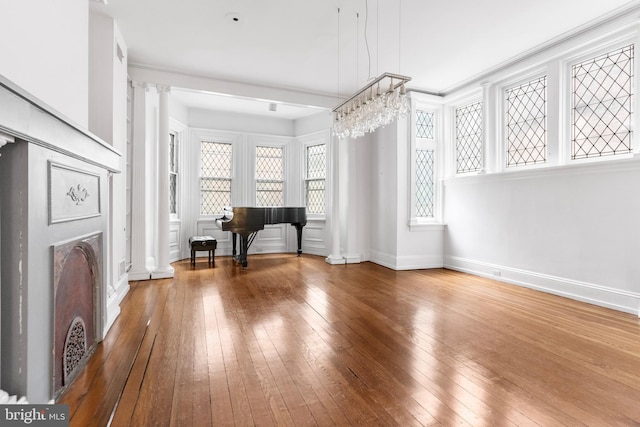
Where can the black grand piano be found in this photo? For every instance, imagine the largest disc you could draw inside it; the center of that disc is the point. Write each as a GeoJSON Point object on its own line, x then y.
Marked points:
{"type": "Point", "coordinates": [246, 222]}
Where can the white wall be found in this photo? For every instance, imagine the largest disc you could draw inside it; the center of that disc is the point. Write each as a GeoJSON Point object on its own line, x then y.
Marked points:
{"type": "Point", "coordinates": [107, 119]}
{"type": "Point", "coordinates": [44, 47]}
{"type": "Point", "coordinates": [569, 231]}
{"type": "Point", "coordinates": [384, 195]}
{"type": "Point", "coordinates": [310, 124]}
{"type": "Point", "coordinates": [393, 243]}
{"type": "Point", "coordinates": [234, 122]}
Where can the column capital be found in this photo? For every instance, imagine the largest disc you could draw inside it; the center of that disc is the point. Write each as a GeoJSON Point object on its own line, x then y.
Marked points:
{"type": "Point", "coordinates": [163, 88]}
{"type": "Point", "coordinates": [140, 85]}
{"type": "Point", "coordinates": [5, 139]}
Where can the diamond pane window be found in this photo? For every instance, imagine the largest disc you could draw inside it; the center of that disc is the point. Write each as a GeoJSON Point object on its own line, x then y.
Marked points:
{"type": "Point", "coordinates": [424, 183]}
{"type": "Point", "coordinates": [425, 127]}
{"type": "Point", "coordinates": [316, 166]}
{"type": "Point", "coordinates": [215, 177]}
{"type": "Point", "coordinates": [173, 174]}
{"type": "Point", "coordinates": [602, 105]}
{"type": "Point", "coordinates": [469, 138]}
{"type": "Point", "coordinates": [269, 176]}
{"type": "Point", "coordinates": [527, 123]}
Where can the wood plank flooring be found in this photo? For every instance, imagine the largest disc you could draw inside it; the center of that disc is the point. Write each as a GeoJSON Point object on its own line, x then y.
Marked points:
{"type": "Point", "coordinates": [293, 341]}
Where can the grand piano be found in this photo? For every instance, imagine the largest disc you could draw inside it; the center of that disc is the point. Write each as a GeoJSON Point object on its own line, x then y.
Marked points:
{"type": "Point", "coordinates": [246, 222]}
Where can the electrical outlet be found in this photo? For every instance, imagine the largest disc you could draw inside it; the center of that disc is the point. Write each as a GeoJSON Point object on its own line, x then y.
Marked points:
{"type": "Point", "coordinates": [497, 273]}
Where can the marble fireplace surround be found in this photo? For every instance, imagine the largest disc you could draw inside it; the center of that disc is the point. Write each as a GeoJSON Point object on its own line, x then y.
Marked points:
{"type": "Point", "coordinates": [55, 182]}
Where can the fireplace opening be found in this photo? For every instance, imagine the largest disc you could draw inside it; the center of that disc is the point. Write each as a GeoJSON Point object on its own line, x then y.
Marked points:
{"type": "Point", "coordinates": [77, 284]}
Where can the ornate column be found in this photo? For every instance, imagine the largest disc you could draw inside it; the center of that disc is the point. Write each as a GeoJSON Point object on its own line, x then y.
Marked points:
{"type": "Point", "coordinates": [163, 268]}
{"type": "Point", "coordinates": [139, 270]}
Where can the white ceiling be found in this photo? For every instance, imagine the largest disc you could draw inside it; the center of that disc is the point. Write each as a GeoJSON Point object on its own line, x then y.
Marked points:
{"type": "Point", "coordinates": [307, 46]}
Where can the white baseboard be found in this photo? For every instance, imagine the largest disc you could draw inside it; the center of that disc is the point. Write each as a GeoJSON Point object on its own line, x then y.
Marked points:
{"type": "Point", "coordinates": [412, 262]}
{"type": "Point", "coordinates": [139, 274]}
{"type": "Point", "coordinates": [113, 304]}
{"type": "Point", "coordinates": [616, 299]}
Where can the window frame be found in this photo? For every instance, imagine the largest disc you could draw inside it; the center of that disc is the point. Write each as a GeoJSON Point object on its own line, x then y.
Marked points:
{"type": "Point", "coordinates": [177, 157]}
{"type": "Point", "coordinates": [592, 51]}
{"type": "Point", "coordinates": [504, 150]}
{"type": "Point", "coordinates": [307, 180]}
{"type": "Point", "coordinates": [270, 144]}
{"type": "Point", "coordinates": [468, 101]}
{"type": "Point", "coordinates": [431, 104]}
{"type": "Point", "coordinates": [217, 140]}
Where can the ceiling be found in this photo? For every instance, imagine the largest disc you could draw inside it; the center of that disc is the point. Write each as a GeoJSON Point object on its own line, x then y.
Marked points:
{"type": "Point", "coordinates": [332, 47]}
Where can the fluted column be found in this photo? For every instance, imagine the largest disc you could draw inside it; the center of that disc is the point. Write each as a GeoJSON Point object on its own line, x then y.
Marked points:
{"type": "Point", "coordinates": [163, 268]}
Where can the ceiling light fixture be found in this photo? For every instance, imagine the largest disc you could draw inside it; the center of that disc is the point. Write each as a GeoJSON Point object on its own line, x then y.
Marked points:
{"type": "Point", "coordinates": [380, 102]}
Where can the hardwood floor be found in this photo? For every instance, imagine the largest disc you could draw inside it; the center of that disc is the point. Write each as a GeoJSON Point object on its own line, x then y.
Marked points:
{"type": "Point", "coordinates": [296, 342]}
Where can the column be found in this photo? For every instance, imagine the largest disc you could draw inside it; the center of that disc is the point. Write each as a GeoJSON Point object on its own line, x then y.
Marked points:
{"type": "Point", "coordinates": [163, 268]}
{"type": "Point", "coordinates": [139, 270]}
{"type": "Point", "coordinates": [5, 139]}
{"type": "Point", "coordinates": [335, 257]}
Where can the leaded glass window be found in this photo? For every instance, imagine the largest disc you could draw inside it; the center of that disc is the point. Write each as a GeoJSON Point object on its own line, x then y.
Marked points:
{"type": "Point", "coordinates": [602, 105]}
{"type": "Point", "coordinates": [269, 176]}
{"type": "Point", "coordinates": [425, 126]}
{"type": "Point", "coordinates": [424, 183]}
{"type": "Point", "coordinates": [316, 167]}
{"type": "Point", "coordinates": [173, 174]}
{"type": "Point", "coordinates": [469, 138]}
{"type": "Point", "coordinates": [215, 177]}
{"type": "Point", "coordinates": [527, 123]}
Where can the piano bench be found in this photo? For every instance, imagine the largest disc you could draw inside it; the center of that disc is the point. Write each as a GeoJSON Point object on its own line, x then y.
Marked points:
{"type": "Point", "coordinates": [203, 243]}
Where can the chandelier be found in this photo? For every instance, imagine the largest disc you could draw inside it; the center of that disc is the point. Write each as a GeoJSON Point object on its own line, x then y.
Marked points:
{"type": "Point", "coordinates": [379, 103]}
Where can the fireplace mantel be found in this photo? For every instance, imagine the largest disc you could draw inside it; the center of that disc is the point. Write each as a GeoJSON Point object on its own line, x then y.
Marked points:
{"type": "Point", "coordinates": [25, 117]}
{"type": "Point", "coordinates": [55, 180]}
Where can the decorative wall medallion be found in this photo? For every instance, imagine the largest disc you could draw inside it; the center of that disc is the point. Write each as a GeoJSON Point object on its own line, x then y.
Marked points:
{"type": "Point", "coordinates": [73, 193]}
{"type": "Point", "coordinates": [78, 195]}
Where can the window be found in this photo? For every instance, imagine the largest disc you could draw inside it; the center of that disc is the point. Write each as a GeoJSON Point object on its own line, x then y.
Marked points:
{"type": "Point", "coordinates": [424, 124]}
{"type": "Point", "coordinates": [173, 174]}
{"type": "Point", "coordinates": [602, 105]}
{"type": "Point", "coordinates": [269, 176]}
{"type": "Point", "coordinates": [425, 150]}
{"type": "Point", "coordinates": [215, 177]}
{"type": "Point", "coordinates": [527, 123]}
{"type": "Point", "coordinates": [469, 147]}
{"type": "Point", "coordinates": [424, 183]}
{"type": "Point", "coordinates": [315, 169]}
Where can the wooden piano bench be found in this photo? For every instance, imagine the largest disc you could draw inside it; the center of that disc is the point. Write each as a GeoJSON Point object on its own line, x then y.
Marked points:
{"type": "Point", "coordinates": [203, 243]}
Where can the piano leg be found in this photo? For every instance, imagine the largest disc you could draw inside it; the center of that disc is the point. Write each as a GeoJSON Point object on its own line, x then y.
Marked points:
{"type": "Point", "coordinates": [244, 248]}
{"type": "Point", "coordinates": [233, 243]}
{"type": "Point", "coordinates": [299, 233]}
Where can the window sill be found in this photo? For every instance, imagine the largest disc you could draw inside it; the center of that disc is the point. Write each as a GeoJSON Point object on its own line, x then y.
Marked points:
{"type": "Point", "coordinates": [316, 217]}
{"type": "Point", "coordinates": [417, 224]}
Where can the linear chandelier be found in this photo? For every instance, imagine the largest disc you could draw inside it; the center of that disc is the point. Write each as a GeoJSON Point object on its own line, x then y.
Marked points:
{"type": "Point", "coordinates": [377, 104]}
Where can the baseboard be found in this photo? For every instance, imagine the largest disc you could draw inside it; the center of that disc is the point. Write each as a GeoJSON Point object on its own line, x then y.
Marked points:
{"type": "Point", "coordinates": [616, 299]}
{"type": "Point", "coordinates": [113, 304]}
{"type": "Point", "coordinates": [139, 275]}
{"type": "Point", "coordinates": [411, 262]}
